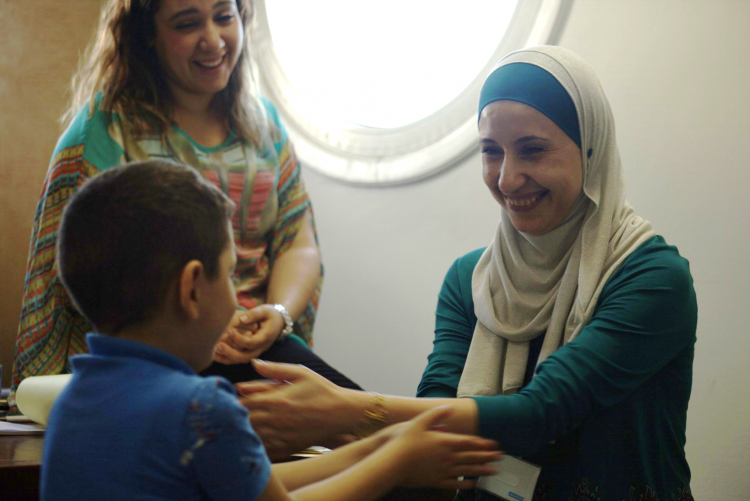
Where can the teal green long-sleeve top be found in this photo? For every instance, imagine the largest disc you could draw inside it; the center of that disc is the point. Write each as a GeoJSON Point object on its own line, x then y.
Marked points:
{"type": "Point", "coordinates": [605, 415]}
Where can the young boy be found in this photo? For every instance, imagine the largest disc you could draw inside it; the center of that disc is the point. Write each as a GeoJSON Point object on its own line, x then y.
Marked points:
{"type": "Point", "coordinates": [147, 255]}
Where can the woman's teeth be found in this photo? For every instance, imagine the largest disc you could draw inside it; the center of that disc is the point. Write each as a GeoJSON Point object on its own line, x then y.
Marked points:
{"type": "Point", "coordinates": [523, 202]}
{"type": "Point", "coordinates": [210, 64]}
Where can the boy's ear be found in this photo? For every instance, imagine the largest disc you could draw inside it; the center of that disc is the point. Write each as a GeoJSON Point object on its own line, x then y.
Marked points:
{"type": "Point", "coordinates": [189, 292]}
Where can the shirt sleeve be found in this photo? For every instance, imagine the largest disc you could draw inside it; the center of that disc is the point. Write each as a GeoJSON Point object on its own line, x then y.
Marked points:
{"type": "Point", "coordinates": [50, 329]}
{"type": "Point", "coordinates": [645, 318]}
{"type": "Point", "coordinates": [293, 204]}
{"type": "Point", "coordinates": [454, 326]}
{"type": "Point", "coordinates": [225, 456]}
{"type": "Point", "coordinates": [293, 199]}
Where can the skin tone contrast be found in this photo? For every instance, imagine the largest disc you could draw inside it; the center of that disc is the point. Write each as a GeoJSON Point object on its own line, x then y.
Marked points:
{"type": "Point", "coordinates": [532, 168]}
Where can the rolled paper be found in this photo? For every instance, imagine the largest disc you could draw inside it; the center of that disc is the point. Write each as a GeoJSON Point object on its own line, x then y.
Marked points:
{"type": "Point", "coordinates": [36, 394]}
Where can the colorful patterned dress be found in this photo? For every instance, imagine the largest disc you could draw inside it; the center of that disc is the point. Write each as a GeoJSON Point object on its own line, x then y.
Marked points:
{"type": "Point", "coordinates": [265, 185]}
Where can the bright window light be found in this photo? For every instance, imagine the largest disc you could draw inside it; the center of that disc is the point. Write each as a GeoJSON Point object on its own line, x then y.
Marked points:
{"type": "Point", "coordinates": [385, 92]}
{"type": "Point", "coordinates": [384, 63]}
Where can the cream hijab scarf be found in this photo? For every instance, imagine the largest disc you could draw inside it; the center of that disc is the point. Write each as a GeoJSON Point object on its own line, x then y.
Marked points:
{"type": "Point", "coordinates": [526, 285]}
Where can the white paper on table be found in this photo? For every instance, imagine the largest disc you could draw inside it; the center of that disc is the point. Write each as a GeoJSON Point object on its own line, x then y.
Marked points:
{"type": "Point", "coordinates": [7, 428]}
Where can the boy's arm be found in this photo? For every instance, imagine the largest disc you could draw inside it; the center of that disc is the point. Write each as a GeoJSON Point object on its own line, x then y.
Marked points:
{"type": "Point", "coordinates": [296, 474]}
{"type": "Point", "coordinates": [289, 477]}
{"type": "Point", "coordinates": [412, 454]}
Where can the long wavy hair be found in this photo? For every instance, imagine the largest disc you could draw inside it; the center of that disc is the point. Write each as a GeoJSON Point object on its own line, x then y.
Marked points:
{"type": "Point", "coordinates": [121, 63]}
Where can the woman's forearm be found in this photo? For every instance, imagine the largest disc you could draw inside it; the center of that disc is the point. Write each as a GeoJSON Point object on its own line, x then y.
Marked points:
{"type": "Point", "coordinates": [296, 272]}
{"type": "Point", "coordinates": [309, 410]}
{"type": "Point", "coordinates": [464, 419]}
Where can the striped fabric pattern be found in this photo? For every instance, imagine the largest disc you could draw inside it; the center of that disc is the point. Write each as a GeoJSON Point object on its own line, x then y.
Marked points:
{"type": "Point", "coordinates": [265, 185]}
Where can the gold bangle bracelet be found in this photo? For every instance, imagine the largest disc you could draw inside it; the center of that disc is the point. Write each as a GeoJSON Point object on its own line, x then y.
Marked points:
{"type": "Point", "coordinates": [374, 417]}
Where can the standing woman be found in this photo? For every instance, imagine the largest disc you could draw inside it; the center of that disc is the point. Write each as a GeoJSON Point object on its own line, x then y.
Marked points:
{"type": "Point", "coordinates": [571, 336]}
{"type": "Point", "coordinates": [173, 79]}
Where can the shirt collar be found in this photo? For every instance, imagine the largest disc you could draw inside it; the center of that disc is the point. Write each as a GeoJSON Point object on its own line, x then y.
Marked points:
{"type": "Point", "coordinates": [116, 347]}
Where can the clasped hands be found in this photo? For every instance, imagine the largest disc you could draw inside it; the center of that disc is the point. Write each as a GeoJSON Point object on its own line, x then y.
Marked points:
{"type": "Point", "coordinates": [250, 333]}
{"type": "Point", "coordinates": [295, 408]}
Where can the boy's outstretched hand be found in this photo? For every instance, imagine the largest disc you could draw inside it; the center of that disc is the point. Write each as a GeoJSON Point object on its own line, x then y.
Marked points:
{"type": "Point", "coordinates": [430, 457]}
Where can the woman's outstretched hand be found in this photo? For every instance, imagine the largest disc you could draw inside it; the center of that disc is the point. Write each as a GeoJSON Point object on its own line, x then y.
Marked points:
{"type": "Point", "coordinates": [295, 408]}
{"type": "Point", "coordinates": [431, 457]}
{"type": "Point", "coordinates": [250, 333]}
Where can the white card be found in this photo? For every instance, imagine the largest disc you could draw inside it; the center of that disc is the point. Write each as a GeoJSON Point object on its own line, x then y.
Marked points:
{"type": "Point", "coordinates": [514, 481]}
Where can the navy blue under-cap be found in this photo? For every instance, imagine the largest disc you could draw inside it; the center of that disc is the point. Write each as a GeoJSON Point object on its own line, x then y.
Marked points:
{"type": "Point", "coordinates": [529, 84]}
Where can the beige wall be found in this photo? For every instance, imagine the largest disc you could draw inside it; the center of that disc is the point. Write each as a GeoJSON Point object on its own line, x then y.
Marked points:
{"type": "Point", "coordinates": [39, 45]}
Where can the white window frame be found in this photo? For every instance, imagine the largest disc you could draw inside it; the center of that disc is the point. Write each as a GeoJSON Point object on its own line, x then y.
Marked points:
{"type": "Point", "coordinates": [382, 157]}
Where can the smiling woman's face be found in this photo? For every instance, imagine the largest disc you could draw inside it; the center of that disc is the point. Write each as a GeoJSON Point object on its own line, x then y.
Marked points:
{"type": "Point", "coordinates": [198, 43]}
{"type": "Point", "coordinates": [532, 168]}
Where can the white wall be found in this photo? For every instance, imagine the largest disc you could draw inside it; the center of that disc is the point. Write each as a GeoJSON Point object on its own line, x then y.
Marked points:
{"type": "Point", "coordinates": [677, 73]}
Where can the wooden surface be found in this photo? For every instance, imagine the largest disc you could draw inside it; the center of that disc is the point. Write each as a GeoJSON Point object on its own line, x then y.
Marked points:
{"type": "Point", "coordinates": [20, 465]}
{"type": "Point", "coordinates": [16, 450]}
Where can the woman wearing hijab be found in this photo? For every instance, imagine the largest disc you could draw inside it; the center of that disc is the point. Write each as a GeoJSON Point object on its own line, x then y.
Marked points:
{"type": "Point", "coordinates": [571, 335]}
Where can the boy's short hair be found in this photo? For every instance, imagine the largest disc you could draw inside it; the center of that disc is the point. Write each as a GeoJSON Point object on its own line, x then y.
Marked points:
{"type": "Point", "coordinates": [126, 235]}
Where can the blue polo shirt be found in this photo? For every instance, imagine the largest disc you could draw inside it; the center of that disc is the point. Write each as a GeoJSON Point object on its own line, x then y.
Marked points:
{"type": "Point", "coordinates": [137, 423]}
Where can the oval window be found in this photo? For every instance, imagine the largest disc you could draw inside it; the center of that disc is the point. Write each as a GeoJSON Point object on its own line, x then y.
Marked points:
{"type": "Point", "coordinates": [385, 92]}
